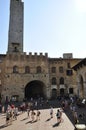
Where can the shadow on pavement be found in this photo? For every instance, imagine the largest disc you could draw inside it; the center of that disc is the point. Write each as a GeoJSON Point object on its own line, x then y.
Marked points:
{"type": "Point", "coordinates": [31, 122]}
{"type": "Point", "coordinates": [56, 124]}
{"type": "Point", "coordinates": [24, 119]}
{"type": "Point", "coordinates": [3, 126]}
{"type": "Point", "coordinates": [48, 119]}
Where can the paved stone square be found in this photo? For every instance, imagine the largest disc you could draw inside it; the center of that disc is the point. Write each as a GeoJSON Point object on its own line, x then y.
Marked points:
{"type": "Point", "coordinates": [45, 123]}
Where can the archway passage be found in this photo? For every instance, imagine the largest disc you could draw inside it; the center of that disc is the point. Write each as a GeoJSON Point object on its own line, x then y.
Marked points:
{"type": "Point", "coordinates": [34, 89]}
{"type": "Point", "coordinates": [81, 87]}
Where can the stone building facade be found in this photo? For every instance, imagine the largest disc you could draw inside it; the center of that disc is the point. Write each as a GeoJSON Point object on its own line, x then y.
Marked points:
{"type": "Point", "coordinates": [80, 69]}
{"type": "Point", "coordinates": [32, 75]}
{"type": "Point", "coordinates": [25, 76]}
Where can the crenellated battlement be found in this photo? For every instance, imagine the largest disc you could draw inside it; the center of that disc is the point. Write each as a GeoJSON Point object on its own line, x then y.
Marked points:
{"type": "Point", "coordinates": [40, 54]}
{"type": "Point", "coordinates": [22, 56]}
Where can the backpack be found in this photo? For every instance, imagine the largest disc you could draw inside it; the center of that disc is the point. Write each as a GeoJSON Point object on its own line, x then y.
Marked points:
{"type": "Point", "coordinates": [58, 114]}
{"type": "Point", "coordinates": [39, 112]}
{"type": "Point", "coordinates": [8, 115]}
{"type": "Point", "coordinates": [34, 113]}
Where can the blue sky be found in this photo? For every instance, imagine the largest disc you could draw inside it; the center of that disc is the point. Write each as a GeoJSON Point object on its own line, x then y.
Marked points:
{"type": "Point", "coordinates": [52, 26]}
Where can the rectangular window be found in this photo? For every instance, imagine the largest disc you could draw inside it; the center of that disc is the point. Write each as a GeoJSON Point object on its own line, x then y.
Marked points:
{"type": "Point", "coordinates": [53, 69]}
{"type": "Point", "coordinates": [61, 69]}
{"type": "Point", "coordinates": [69, 72]}
{"type": "Point", "coordinates": [68, 65]}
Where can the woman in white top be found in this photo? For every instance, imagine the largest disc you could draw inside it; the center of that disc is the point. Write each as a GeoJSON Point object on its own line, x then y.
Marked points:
{"type": "Point", "coordinates": [51, 112]}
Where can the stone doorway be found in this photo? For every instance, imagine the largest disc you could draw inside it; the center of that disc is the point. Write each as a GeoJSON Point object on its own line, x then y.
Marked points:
{"type": "Point", "coordinates": [62, 92]}
{"type": "Point", "coordinates": [35, 89]}
{"type": "Point", "coordinates": [54, 93]}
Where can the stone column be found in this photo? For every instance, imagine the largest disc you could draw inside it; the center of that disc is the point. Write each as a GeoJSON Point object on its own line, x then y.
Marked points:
{"type": "Point", "coordinates": [48, 92]}
{"type": "Point", "coordinates": [78, 89]}
{"type": "Point", "coordinates": [21, 97]}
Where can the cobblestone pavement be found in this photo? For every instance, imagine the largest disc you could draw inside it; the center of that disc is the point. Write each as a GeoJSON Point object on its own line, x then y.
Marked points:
{"type": "Point", "coordinates": [45, 123]}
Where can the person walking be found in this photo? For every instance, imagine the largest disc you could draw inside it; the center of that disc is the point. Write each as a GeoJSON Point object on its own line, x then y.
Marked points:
{"type": "Point", "coordinates": [51, 112]}
{"type": "Point", "coordinates": [58, 115]}
{"type": "Point", "coordinates": [7, 118]}
{"type": "Point", "coordinates": [28, 112]}
{"type": "Point", "coordinates": [32, 115]}
{"type": "Point", "coordinates": [75, 116]}
{"type": "Point", "coordinates": [3, 109]}
{"type": "Point", "coordinates": [38, 115]}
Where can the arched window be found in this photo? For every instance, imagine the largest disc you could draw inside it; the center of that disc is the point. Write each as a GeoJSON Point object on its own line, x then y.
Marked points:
{"type": "Point", "coordinates": [53, 81]}
{"type": "Point", "coordinates": [61, 80]}
{"type": "Point", "coordinates": [53, 69]}
{"type": "Point", "coordinates": [15, 69]}
{"type": "Point", "coordinates": [38, 69]}
{"type": "Point", "coordinates": [27, 69]}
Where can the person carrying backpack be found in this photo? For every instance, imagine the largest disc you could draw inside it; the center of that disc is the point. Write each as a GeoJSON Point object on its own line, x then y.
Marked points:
{"type": "Point", "coordinates": [7, 117]}
{"type": "Point", "coordinates": [58, 115]}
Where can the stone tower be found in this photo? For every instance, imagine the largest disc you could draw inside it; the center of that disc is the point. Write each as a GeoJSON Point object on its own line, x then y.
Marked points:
{"type": "Point", "coordinates": [15, 35]}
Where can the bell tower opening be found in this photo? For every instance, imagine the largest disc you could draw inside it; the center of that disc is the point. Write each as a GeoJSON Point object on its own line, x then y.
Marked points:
{"type": "Point", "coordinates": [35, 89]}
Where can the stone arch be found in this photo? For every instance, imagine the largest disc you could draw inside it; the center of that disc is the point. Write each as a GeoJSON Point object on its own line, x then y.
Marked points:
{"type": "Point", "coordinates": [35, 89]}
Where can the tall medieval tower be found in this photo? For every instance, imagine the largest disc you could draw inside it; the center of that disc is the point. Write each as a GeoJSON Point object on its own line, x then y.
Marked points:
{"type": "Point", "coordinates": [15, 35]}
